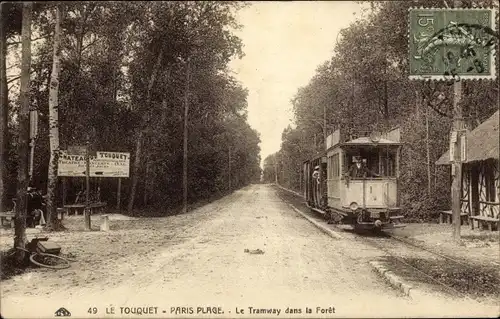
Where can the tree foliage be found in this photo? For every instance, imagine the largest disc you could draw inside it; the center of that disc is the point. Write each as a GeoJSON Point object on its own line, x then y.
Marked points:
{"type": "Point", "coordinates": [109, 51]}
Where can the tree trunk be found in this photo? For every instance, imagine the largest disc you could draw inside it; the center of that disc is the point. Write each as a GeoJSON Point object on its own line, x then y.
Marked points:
{"type": "Point", "coordinates": [146, 182]}
{"type": "Point", "coordinates": [4, 109]}
{"type": "Point", "coordinates": [325, 133]}
{"type": "Point", "coordinates": [137, 166]}
{"type": "Point", "coordinates": [140, 134]}
{"type": "Point", "coordinates": [52, 220]}
{"type": "Point", "coordinates": [24, 133]}
{"type": "Point", "coordinates": [185, 155]}
{"type": "Point", "coordinates": [386, 98]}
{"type": "Point", "coordinates": [119, 195]}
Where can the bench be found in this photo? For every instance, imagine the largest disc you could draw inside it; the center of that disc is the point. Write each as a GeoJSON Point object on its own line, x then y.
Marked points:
{"type": "Point", "coordinates": [446, 216]}
{"type": "Point", "coordinates": [7, 215]}
{"type": "Point", "coordinates": [74, 208]}
{"type": "Point", "coordinates": [482, 220]}
{"type": "Point", "coordinates": [80, 207]}
{"type": "Point", "coordinates": [99, 206]}
{"type": "Point", "coordinates": [61, 212]}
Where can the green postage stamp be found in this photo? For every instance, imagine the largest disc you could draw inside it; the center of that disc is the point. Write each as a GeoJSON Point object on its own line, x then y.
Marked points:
{"type": "Point", "coordinates": [452, 44]}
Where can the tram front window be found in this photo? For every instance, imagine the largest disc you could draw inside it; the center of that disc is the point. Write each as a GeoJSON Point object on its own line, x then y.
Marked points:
{"type": "Point", "coordinates": [377, 163]}
{"type": "Point", "coordinates": [360, 169]}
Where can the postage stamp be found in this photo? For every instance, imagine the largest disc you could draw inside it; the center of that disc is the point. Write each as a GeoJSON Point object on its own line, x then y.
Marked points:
{"type": "Point", "coordinates": [452, 44]}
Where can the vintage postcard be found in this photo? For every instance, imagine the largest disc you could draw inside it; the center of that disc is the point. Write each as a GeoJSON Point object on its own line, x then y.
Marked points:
{"type": "Point", "coordinates": [261, 159]}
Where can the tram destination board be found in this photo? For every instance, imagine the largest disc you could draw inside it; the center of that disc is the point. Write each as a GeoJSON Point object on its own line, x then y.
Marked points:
{"type": "Point", "coordinates": [102, 164]}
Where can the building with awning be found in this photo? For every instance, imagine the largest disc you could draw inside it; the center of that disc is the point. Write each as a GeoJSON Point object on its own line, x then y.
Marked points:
{"type": "Point", "coordinates": [480, 173]}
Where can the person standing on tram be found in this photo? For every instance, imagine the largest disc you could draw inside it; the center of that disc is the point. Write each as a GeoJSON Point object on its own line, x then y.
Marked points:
{"type": "Point", "coordinates": [316, 174]}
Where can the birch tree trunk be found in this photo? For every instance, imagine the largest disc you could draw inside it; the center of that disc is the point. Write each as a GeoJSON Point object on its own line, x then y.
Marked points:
{"type": "Point", "coordinates": [4, 109]}
{"type": "Point", "coordinates": [52, 220]}
{"type": "Point", "coordinates": [24, 133]}
{"type": "Point", "coordinates": [140, 134]}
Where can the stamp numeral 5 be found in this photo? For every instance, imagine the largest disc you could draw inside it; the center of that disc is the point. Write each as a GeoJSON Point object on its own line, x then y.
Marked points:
{"type": "Point", "coordinates": [427, 20]}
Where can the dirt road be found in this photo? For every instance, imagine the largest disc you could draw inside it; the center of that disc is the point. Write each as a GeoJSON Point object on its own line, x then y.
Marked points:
{"type": "Point", "coordinates": [246, 255]}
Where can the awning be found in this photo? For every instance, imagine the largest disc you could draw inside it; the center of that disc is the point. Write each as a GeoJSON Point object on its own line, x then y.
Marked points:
{"type": "Point", "coordinates": [482, 143]}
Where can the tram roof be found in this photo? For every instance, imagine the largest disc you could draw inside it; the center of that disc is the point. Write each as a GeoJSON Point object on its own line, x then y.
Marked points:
{"type": "Point", "coordinates": [367, 141]}
{"type": "Point", "coordinates": [315, 157]}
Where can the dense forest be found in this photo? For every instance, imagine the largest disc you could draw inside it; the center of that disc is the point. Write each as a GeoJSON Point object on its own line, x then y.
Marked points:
{"type": "Point", "coordinates": [127, 77]}
{"type": "Point", "coordinates": [365, 85]}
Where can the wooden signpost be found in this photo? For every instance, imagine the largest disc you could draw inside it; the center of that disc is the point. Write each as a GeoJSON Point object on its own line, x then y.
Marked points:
{"type": "Point", "coordinates": [82, 161]}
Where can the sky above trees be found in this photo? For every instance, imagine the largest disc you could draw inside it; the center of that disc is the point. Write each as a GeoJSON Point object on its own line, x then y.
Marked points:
{"type": "Point", "coordinates": [284, 43]}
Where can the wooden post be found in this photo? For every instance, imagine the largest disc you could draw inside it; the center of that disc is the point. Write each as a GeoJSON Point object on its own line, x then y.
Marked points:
{"type": "Point", "coordinates": [456, 167]}
{"type": "Point", "coordinates": [119, 194]}
{"type": "Point", "coordinates": [105, 223]}
{"type": "Point", "coordinates": [380, 166]}
{"type": "Point", "coordinates": [86, 212]}
{"type": "Point", "coordinates": [457, 163]}
{"type": "Point", "coordinates": [99, 189]}
{"type": "Point", "coordinates": [64, 190]}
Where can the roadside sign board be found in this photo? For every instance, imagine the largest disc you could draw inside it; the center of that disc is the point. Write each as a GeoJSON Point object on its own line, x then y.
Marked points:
{"type": "Point", "coordinates": [103, 164]}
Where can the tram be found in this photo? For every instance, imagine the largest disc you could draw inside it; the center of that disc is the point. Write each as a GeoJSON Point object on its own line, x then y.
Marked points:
{"type": "Point", "coordinates": [355, 181]}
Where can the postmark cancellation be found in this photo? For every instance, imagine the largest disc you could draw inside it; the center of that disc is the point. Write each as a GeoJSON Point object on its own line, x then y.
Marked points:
{"type": "Point", "coordinates": [452, 44]}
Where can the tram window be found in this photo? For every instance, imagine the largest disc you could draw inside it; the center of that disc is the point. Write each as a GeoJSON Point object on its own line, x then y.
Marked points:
{"type": "Point", "coordinates": [333, 163]}
{"type": "Point", "coordinates": [381, 161]}
{"type": "Point", "coordinates": [388, 162]}
{"type": "Point", "coordinates": [336, 165]}
{"type": "Point", "coordinates": [329, 167]}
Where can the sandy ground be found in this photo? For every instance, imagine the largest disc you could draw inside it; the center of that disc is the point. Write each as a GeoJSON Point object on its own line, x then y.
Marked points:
{"type": "Point", "coordinates": [481, 246]}
{"type": "Point", "coordinates": [189, 265]}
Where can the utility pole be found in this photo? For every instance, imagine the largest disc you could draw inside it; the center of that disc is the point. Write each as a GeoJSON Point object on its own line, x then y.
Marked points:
{"type": "Point", "coordinates": [455, 143]}
{"type": "Point", "coordinates": [186, 112]}
{"type": "Point", "coordinates": [456, 169]}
